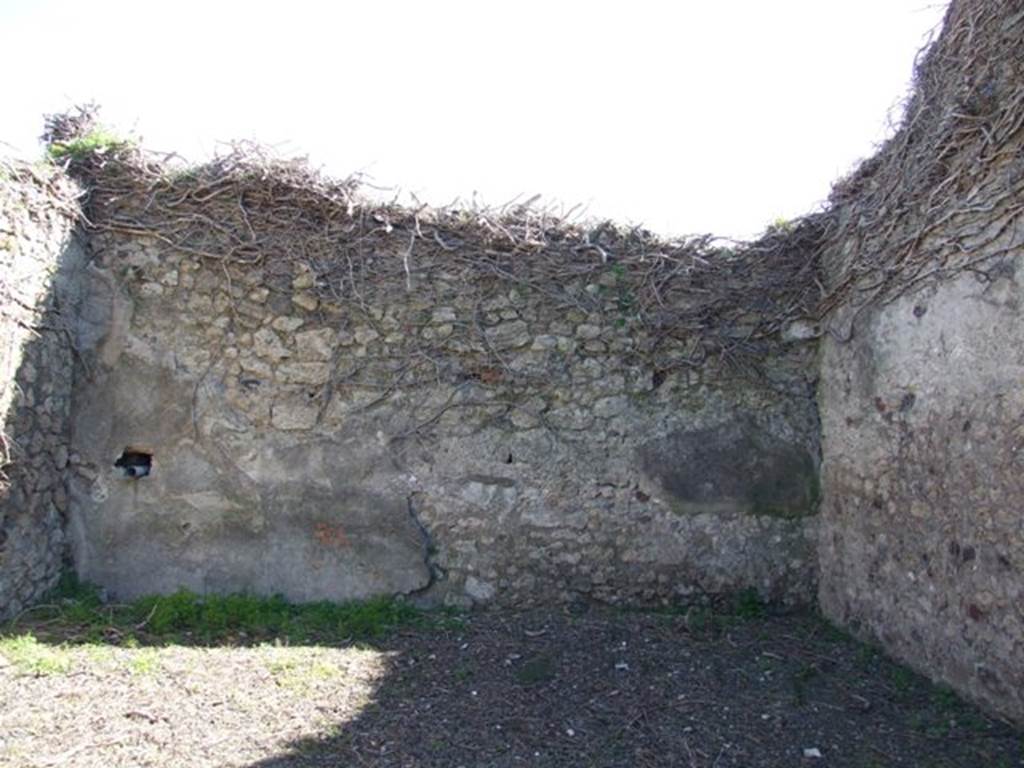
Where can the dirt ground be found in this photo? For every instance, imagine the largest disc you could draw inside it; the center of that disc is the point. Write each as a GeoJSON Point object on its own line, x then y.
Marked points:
{"type": "Point", "coordinates": [490, 689]}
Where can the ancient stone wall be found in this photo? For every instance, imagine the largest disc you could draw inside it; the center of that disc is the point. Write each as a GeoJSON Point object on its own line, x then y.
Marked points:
{"type": "Point", "coordinates": [921, 397]}
{"type": "Point", "coordinates": [38, 260]}
{"type": "Point", "coordinates": [280, 387]}
{"type": "Point", "coordinates": [465, 441]}
{"type": "Point", "coordinates": [923, 533]}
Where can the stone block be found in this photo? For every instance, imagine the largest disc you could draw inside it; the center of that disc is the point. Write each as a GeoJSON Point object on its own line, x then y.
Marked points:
{"type": "Point", "coordinates": [317, 344]}
{"type": "Point", "coordinates": [303, 373]}
{"type": "Point", "coordinates": [293, 415]}
{"type": "Point", "coordinates": [269, 346]}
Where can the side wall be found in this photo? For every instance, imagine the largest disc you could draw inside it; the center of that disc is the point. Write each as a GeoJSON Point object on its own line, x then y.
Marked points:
{"type": "Point", "coordinates": [37, 258]}
{"type": "Point", "coordinates": [922, 541]}
{"type": "Point", "coordinates": [462, 441]}
{"type": "Point", "coordinates": [922, 388]}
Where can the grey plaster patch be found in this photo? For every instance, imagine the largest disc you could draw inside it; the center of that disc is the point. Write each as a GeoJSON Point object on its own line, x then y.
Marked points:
{"type": "Point", "coordinates": [733, 465]}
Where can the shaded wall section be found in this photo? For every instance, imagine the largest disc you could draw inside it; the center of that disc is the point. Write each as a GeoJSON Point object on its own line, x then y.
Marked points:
{"type": "Point", "coordinates": [39, 262]}
{"type": "Point", "coordinates": [922, 389]}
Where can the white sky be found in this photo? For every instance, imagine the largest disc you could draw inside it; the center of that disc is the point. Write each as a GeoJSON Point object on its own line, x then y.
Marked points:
{"type": "Point", "coordinates": [686, 116]}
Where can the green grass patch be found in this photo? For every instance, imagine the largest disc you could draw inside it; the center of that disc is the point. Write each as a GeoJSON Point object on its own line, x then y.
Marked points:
{"type": "Point", "coordinates": [901, 678]}
{"type": "Point", "coordinates": [945, 697]}
{"type": "Point", "coordinates": [300, 673]}
{"type": "Point", "coordinates": [97, 141]}
{"type": "Point", "coordinates": [100, 655]}
{"type": "Point", "coordinates": [78, 601]}
{"type": "Point", "coordinates": [145, 661]}
{"type": "Point", "coordinates": [187, 617]}
{"type": "Point", "coordinates": [747, 604]}
{"type": "Point", "coordinates": [30, 656]}
{"type": "Point", "coordinates": [213, 616]}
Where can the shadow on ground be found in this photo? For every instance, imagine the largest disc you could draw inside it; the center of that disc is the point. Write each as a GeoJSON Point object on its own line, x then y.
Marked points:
{"type": "Point", "coordinates": [258, 683]}
{"type": "Point", "coordinates": [602, 689]}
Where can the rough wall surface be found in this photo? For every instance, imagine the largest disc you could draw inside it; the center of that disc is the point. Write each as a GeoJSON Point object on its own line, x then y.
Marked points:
{"type": "Point", "coordinates": [463, 442]}
{"type": "Point", "coordinates": [921, 397]}
{"type": "Point", "coordinates": [38, 258]}
{"type": "Point", "coordinates": [923, 530]}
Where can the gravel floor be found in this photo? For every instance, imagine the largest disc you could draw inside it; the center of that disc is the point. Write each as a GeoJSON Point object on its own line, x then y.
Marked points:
{"type": "Point", "coordinates": [498, 689]}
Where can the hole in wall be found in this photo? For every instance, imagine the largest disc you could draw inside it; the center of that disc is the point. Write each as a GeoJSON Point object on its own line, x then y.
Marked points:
{"type": "Point", "coordinates": [509, 460]}
{"type": "Point", "coordinates": [135, 463]}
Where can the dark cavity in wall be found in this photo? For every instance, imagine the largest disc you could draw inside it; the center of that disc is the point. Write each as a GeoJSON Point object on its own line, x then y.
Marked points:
{"type": "Point", "coordinates": [134, 463]}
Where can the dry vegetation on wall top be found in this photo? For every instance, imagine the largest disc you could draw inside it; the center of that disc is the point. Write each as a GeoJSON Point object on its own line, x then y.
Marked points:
{"type": "Point", "coordinates": [248, 208]}
{"type": "Point", "coordinates": [885, 230]}
{"type": "Point", "coordinates": [950, 183]}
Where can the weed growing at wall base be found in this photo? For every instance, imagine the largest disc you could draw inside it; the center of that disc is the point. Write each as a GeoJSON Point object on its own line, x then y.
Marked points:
{"type": "Point", "coordinates": [187, 617]}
